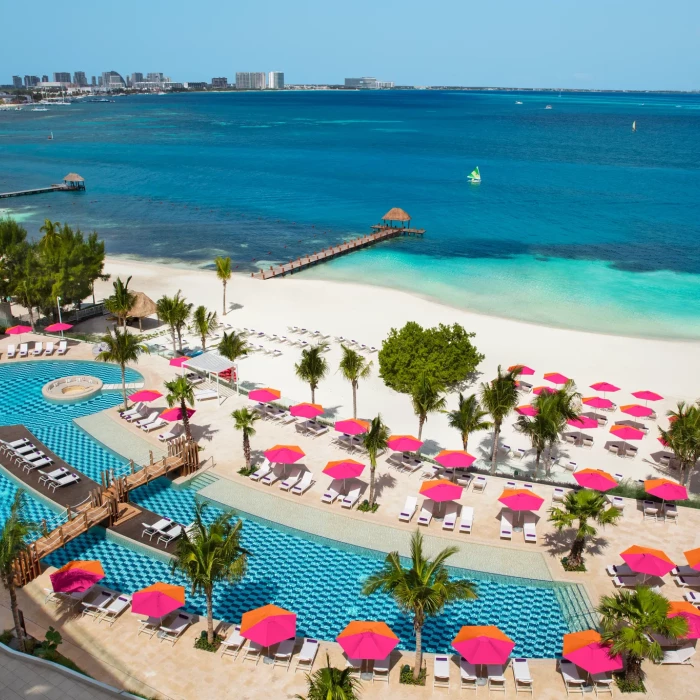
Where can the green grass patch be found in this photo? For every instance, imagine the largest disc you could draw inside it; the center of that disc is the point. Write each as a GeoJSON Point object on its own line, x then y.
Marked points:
{"type": "Point", "coordinates": [365, 507]}
{"type": "Point", "coordinates": [247, 471]}
{"type": "Point", "coordinates": [406, 676]}
{"type": "Point", "coordinates": [572, 567]}
{"type": "Point", "coordinates": [627, 686]}
{"type": "Point", "coordinates": [202, 643]}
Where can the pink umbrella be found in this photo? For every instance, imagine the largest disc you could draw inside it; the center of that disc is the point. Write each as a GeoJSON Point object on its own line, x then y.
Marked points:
{"type": "Point", "coordinates": [306, 410]}
{"type": "Point", "coordinates": [647, 395]}
{"type": "Point", "coordinates": [691, 615]}
{"type": "Point", "coordinates": [455, 459]}
{"type": "Point", "coordinates": [539, 389]}
{"type": "Point", "coordinates": [626, 432]}
{"type": "Point", "coordinates": [636, 410]}
{"type": "Point", "coordinates": [441, 490]}
{"type": "Point", "coordinates": [264, 395]}
{"type": "Point", "coordinates": [77, 576]}
{"type": "Point", "coordinates": [18, 330]}
{"type": "Point", "coordinates": [597, 402]}
{"type": "Point", "coordinates": [352, 426]}
{"type": "Point", "coordinates": [587, 650]}
{"type": "Point", "coordinates": [145, 395]}
{"type": "Point", "coordinates": [583, 423]}
{"type": "Point", "coordinates": [58, 327]}
{"type": "Point", "coordinates": [158, 600]}
{"type": "Point", "coordinates": [344, 469]}
{"type": "Point", "coordinates": [595, 479]}
{"type": "Point", "coordinates": [284, 454]}
{"type": "Point", "coordinates": [527, 410]}
{"type": "Point", "coordinates": [648, 561]}
{"type": "Point", "coordinates": [268, 625]}
{"type": "Point", "coordinates": [524, 369]}
{"type": "Point", "coordinates": [556, 377]}
{"type": "Point", "coordinates": [179, 361]}
{"type": "Point", "coordinates": [175, 414]}
{"type": "Point", "coordinates": [521, 499]}
{"type": "Point", "coordinates": [367, 640]}
{"type": "Point", "coordinates": [404, 443]}
{"type": "Point", "coordinates": [666, 490]}
{"type": "Point", "coordinates": [604, 387]}
{"type": "Point", "coordinates": [484, 644]}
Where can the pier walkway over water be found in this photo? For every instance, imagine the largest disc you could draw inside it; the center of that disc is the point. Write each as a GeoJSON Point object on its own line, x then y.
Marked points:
{"type": "Point", "coordinates": [71, 183]}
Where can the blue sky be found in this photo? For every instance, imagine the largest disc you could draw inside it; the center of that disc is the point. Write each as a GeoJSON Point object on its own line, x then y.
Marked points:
{"type": "Point", "coordinates": [640, 44]}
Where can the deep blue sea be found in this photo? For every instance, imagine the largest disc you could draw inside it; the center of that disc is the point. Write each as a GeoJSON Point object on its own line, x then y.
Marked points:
{"type": "Point", "coordinates": [579, 222]}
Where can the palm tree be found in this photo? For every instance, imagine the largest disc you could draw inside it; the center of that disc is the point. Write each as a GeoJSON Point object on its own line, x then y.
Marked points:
{"type": "Point", "coordinates": [312, 367]}
{"type": "Point", "coordinates": [180, 392]}
{"type": "Point", "coordinates": [427, 397]}
{"type": "Point", "coordinates": [499, 397]}
{"type": "Point", "coordinates": [468, 418]}
{"type": "Point", "coordinates": [541, 429]}
{"type": "Point", "coordinates": [629, 619]}
{"type": "Point", "coordinates": [204, 322]}
{"type": "Point", "coordinates": [223, 272]}
{"type": "Point", "coordinates": [207, 554]}
{"type": "Point", "coordinates": [13, 536]}
{"type": "Point", "coordinates": [232, 346]}
{"type": "Point", "coordinates": [174, 311]}
{"type": "Point", "coordinates": [121, 302]}
{"type": "Point", "coordinates": [561, 406]}
{"type": "Point", "coordinates": [52, 235]}
{"type": "Point", "coordinates": [245, 421]}
{"type": "Point", "coordinates": [582, 506]}
{"type": "Point", "coordinates": [122, 347]}
{"type": "Point", "coordinates": [354, 367]}
{"type": "Point", "coordinates": [421, 591]}
{"type": "Point", "coordinates": [375, 441]}
{"type": "Point", "coordinates": [330, 683]}
{"type": "Point", "coordinates": [683, 437]}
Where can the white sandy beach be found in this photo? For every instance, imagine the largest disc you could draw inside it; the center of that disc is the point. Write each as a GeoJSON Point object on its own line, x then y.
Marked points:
{"type": "Point", "coordinates": [367, 313]}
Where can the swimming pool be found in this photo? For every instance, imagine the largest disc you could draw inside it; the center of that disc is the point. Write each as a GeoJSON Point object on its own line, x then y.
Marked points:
{"type": "Point", "coordinates": [320, 580]}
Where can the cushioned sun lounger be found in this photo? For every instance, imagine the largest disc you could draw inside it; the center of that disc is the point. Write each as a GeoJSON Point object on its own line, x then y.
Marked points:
{"type": "Point", "coordinates": [23, 351]}
{"type": "Point", "coordinates": [49, 348]}
{"type": "Point", "coordinates": [684, 571]}
{"type": "Point", "coordinates": [11, 351]}
{"type": "Point", "coordinates": [426, 513]}
{"type": "Point", "coordinates": [558, 495]}
{"type": "Point", "coordinates": [38, 348]}
{"type": "Point", "coordinates": [307, 655]}
{"type": "Point", "coordinates": [332, 492]}
{"type": "Point", "coordinates": [30, 466]}
{"type": "Point", "coordinates": [680, 656]}
{"type": "Point", "coordinates": [170, 535]}
{"type": "Point", "coordinates": [62, 347]}
{"type": "Point", "coordinates": [602, 683]}
{"type": "Point", "coordinates": [253, 652]}
{"type": "Point", "coordinates": [291, 480]}
{"type": "Point", "coordinates": [151, 418]}
{"type": "Point", "coordinates": [572, 681]}
{"type": "Point", "coordinates": [497, 681]}
{"type": "Point", "coordinates": [115, 609]}
{"type": "Point", "coordinates": [467, 674]}
{"type": "Point", "coordinates": [232, 645]}
{"type": "Point", "coordinates": [55, 474]}
{"type": "Point", "coordinates": [450, 519]}
{"type": "Point", "coordinates": [626, 581]}
{"type": "Point", "coordinates": [380, 670]}
{"type": "Point", "coordinates": [688, 581]}
{"type": "Point", "coordinates": [522, 677]}
{"type": "Point", "coordinates": [175, 431]}
{"type": "Point", "coordinates": [262, 471]}
{"type": "Point", "coordinates": [283, 655]}
{"type": "Point", "coordinates": [480, 483]}
{"type": "Point", "coordinates": [97, 605]}
{"type": "Point", "coordinates": [205, 394]}
{"type": "Point", "coordinates": [138, 415]}
{"type": "Point", "coordinates": [65, 480]}
{"type": "Point", "coordinates": [149, 626]}
{"type": "Point", "coordinates": [352, 498]}
{"type": "Point", "coordinates": [304, 485]}
{"type": "Point", "coordinates": [506, 525]}
{"type": "Point", "coordinates": [441, 672]}
{"type": "Point", "coordinates": [157, 424]}
{"type": "Point", "coordinates": [134, 410]}
{"type": "Point", "coordinates": [157, 528]}
{"type": "Point", "coordinates": [174, 630]}
{"type": "Point", "coordinates": [271, 477]}
{"type": "Point", "coordinates": [529, 528]}
{"type": "Point", "coordinates": [692, 597]}
{"type": "Point", "coordinates": [619, 570]}
{"type": "Point", "coordinates": [408, 509]}
{"type": "Point", "coordinates": [467, 519]}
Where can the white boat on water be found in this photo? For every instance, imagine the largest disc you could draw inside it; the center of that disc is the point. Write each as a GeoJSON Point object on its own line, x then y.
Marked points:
{"type": "Point", "coordinates": [548, 107]}
{"type": "Point", "coordinates": [518, 102]}
{"type": "Point", "coordinates": [634, 125]}
{"type": "Point", "coordinates": [40, 109]}
{"type": "Point", "coordinates": [474, 176]}
{"type": "Point", "coordinates": [50, 136]}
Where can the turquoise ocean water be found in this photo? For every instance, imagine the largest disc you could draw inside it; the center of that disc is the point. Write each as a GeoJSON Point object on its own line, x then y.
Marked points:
{"type": "Point", "coordinates": [579, 222]}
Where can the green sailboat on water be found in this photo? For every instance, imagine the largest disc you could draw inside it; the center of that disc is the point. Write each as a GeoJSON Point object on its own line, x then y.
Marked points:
{"type": "Point", "coordinates": [474, 176]}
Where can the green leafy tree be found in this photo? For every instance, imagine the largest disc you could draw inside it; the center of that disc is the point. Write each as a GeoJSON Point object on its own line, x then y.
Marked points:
{"type": "Point", "coordinates": [52, 235]}
{"type": "Point", "coordinates": [233, 345]}
{"type": "Point", "coordinates": [375, 441]}
{"type": "Point", "coordinates": [427, 397]}
{"type": "Point", "coordinates": [223, 272]}
{"type": "Point", "coordinates": [245, 420]}
{"type": "Point", "coordinates": [562, 405]}
{"type": "Point", "coordinates": [423, 590]}
{"type": "Point", "coordinates": [123, 348]}
{"type": "Point", "coordinates": [468, 418]}
{"type": "Point", "coordinates": [14, 251]}
{"type": "Point", "coordinates": [446, 353]}
{"type": "Point", "coordinates": [175, 311]}
{"type": "Point", "coordinates": [578, 510]}
{"type": "Point", "coordinates": [13, 540]}
{"type": "Point", "coordinates": [499, 397]}
{"type": "Point", "coordinates": [210, 553]}
{"type": "Point", "coordinates": [629, 619]}
{"type": "Point", "coordinates": [354, 367]}
{"type": "Point", "coordinates": [330, 683]}
{"type": "Point", "coordinates": [180, 393]}
{"type": "Point", "coordinates": [312, 367]}
{"type": "Point", "coordinates": [683, 437]}
{"type": "Point", "coordinates": [122, 300]}
{"type": "Point", "coordinates": [204, 323]}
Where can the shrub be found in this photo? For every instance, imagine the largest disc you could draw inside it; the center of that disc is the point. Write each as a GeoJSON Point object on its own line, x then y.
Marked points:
{"type": "Point", "coordinates": [365, 507]}
{"type": "Point", "coordinates": [407, 678]}
{"type": "Point", "coordinates": [247, 471]}
{"type": "Point", "coordinates": [202, 643]}
{"type": "Point", "coordinates": [627, 686]}
{"type": "Point", "coordinates": [572, 567]}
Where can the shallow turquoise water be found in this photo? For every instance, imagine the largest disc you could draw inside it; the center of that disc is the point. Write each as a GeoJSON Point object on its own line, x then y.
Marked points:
{"type": "Point", "coordinates": [578, 222]}
{"type": "Point", "coordinates": [318, 579]}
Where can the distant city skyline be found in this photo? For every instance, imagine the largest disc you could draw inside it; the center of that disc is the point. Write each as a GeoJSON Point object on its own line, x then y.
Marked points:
{"type": "Point", "coordinates": [545, 43]}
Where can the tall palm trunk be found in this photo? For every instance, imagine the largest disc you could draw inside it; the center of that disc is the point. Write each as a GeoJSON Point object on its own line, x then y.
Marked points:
{"type": "Point", "coordinates": [15, 613]}
{"type": "Point", "coordinates": [576, 553]}
{"type": "Point", "coordinates": [224, 298]}
{"type": "Point", "coordinates": [313, 392]}
{"type": "Point", "coordinates": [179, 338]}
{"type": "Point", "coordinates": [372, 469]}
{"type": "Point", "coordinates": [418, 664]}
{"type": "Point", "coordinates": [172, 336]}
{"type": "Point", "coordinates": [633, 669]}
{"type": "Point", "coordinates": [209, 592]}
{"type": "Point", "coordinates": [354, 399]}
{"type": "Point", "coordinates": [126, 406]}
{"type": "Point", "coordinates": [421, 421]}
{"type": "Point", "coordinates": [246, 449]}
{"type": "Point", "coordinates": [494, 451]}
{"type": "Point", "coordinates": [185, 419]}
{"type": "Point", "coordinates": [204, 342]}
{"type": "Point", "coordinates": [465, 440]}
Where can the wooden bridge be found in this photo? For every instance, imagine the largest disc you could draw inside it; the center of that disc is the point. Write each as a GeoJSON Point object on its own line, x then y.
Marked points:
{"type": "Point", "coordinates": [108, 503]}
{"type": "Point", "coordinates": [71, 183]}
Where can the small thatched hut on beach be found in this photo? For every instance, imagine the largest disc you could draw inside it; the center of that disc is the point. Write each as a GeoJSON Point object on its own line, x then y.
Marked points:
{"type": "Point", "coordinates": [396, 214]}
{"type": "Point", "coordinates": [143, 306]}
{"type": "Point", "coordinates": [74, 181]}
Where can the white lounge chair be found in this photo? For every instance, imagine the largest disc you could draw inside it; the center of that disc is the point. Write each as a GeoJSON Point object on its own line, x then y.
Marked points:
{"type": "Point", "coordinates": [619, 570]}
{"type": "Point", "coordinates": [441, 672]}
{"type": "Point", "coordinates": [680, 656]}
{"type": "Point", "coordinates": [506, 525]}
{"type": "Point", "coordinates": [480, 483]}
{"type": "Point", "coordinates": [49, 348]}
{"type": "Point", "coordinates": [174, 630]}
{"type": "Point", "coordinates": [175, 431]}
{"type": "Point", "coordinates": [467, 674]}
{"type": "Point", "coordinates": [602, 683]}
{"type": "Point", "coordinates": [467, 520]}
{"type": "Point", "coordinates": [205, 394]}
{"type": "Point", "coordinates": [96, 606]}
{"type": "Point", "coordinates": [572, 681]}
{"type": "Point", "coordinates": [232, 645]}
{"type": "Point", "coordinates": [688, 581]}
{"type": "Point", "coordinates": [671, 513]}
{"type": "Point", "coordinates": [149, 626]}
{"type": "Point", "coordinates": [307, 655]}
{"type": "Point", "coordinates": [172, 534]}
{"type": "Point", "coordinates": [31, 466]}
{"type": "Point", "coordinates": [23, 350]}
{"type": "Point", "coordinates": [332, 492]}
{"type": "Point", "coordinates": [352, 498]}
{"type": "Point", "coordinates": [271, 477]}
{"type": "Point", "coordinates": [450, 519]}
{"type": "Point", "coordinates": [304, 485]}
{"type": "Point", "coordinates": [497, 681]}
{"type": "Point", "coordinates": [409, 509]}
{"type": "Point", "coordinates": [55, 474]}
{"type": "Point", "coordinates": [62, 347]}
{"type": "Point", "coordinates": [157, 424]}
{"type": "Point", "coordinates": [283, 655]}
{"type": "Point", "coordinates": [65, 480]}
{"type": "Point", "coordinates": [692, 597]}
{"type": "Point", "coordinates": [291, 480]}
{"type": "Point", "coordinates": [684, 571]}
{"type": "Point", "coordinates": [558, 495]}
{"type": "Point", "coordinates": [262, 470]}
{"type": "Point", "coordinates": [11, 351]}
{"type": "Point", "coordinates": [529, 528]}
{"type": "Point", "coordinates": [150, 418]}
{"type": "Point", "coordinates": [134, 411]}
{"type": "Point", "coordinates": [253, 652]}
{"type": "Point", "coordinates": [651, 510]}
{"type": "Point", "coordinates": [115, 609]}
{"type": "Point", "coordinates": [522, 676]}
{"type": "Point", "coordinates": [426, 512]}
{"type": "Point", "coordinates": [627, 581]}
{"type": "Point", "coordinates": [355, 666]}
{"type": "Point", "coordinates": [38, 348]}
{"type": "Point", "coordinates": [158, 528]}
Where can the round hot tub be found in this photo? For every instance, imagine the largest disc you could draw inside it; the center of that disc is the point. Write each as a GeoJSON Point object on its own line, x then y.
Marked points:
{"type": "Point", "coordinates": [71, 389]}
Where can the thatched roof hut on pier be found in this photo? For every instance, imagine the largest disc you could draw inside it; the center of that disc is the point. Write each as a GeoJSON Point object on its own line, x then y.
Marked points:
{"type": "Point", "coordinates": [399, 215]}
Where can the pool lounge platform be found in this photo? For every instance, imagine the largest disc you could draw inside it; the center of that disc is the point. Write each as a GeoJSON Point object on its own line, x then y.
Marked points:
{"type": "Point", "coordinates": [130, 525]}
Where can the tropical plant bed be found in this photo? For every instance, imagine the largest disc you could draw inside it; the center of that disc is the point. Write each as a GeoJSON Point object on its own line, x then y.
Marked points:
{"type": "Point", "coordinates": [572, 567]}
{"type": "Point", "coordinates": [246, 471]}
{"type": "Point", "coordinates": [406, 676]}
{"type": "Point", "coordinates": [202, 643]}
{"type": "Point", "coordinates": [628, 686]}
{"type": "Point", "coordinates": [36, 648]}
{"type": "Point", "coordinates": [365, 507]}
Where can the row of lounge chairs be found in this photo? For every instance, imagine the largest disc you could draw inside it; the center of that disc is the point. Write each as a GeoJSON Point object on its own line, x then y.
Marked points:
{"type": "Point", "coordinates": [149, 421]}
{"type": "Point", "coordinates": [23, 453]}
{"type": "Point", "coordinates": [335, 490]}
{"type": "Point", "coordinates": [37, 350]}
{"type": "Point", "coordinates": [495, 675]}
{"type": "Point", "coordinates": [97, 602]}
{"type": "Point", "coordinates": [298, 482]}
{"type": "Point", "coordinates": [235, 645]}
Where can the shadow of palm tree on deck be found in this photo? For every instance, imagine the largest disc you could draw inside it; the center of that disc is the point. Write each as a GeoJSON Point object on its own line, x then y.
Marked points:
{"type": "Point", "coordinates": [559, 543]}
{"type": "Point", "coordinates": [384, 481]}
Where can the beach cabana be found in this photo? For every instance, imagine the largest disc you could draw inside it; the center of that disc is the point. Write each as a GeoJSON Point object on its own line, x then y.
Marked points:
{"type": "Point", "coordinates": [142, 307]}
{"type": "Point", "coordinates": [73, 181]}
{"type": "Point", "coordinates": [211, 363]}
{"type": "Point", "coordinates": [396, 215]}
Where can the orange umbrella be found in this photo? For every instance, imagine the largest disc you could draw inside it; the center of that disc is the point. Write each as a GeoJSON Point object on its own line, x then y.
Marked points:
{"type": "Point", "coordinates": [693, 558]}
{"type": "Point", "coordinates": [587, 650]}
{"type": "Point", "coordinates": [440, 490]}
{"type": "Point", "coordinates": [521, 499]}
{"type": "Point", "coordinates": [691, 615]}
{"type": "Point", "coordinates": [158, 600]}
{"type": "Point", "coordinates": [647, 561]}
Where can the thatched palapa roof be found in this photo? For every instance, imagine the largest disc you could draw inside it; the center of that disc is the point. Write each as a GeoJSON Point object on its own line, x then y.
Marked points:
{"type": "Point", "coordinates": [396, 214]}
{"type": "Point", "coordinates": [73, 177]}
{"type": "Point", "coordinates": [143, 306]}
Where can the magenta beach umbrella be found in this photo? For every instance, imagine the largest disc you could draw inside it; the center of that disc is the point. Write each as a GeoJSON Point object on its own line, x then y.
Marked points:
{"type": "Point", "coordinates": [597, 402]}
{"type": "Point", "coordinates": [77, 576]}
{"type": "Point", "coordinates": [455, 459]}
{"type": "Point", "coordinates": [145, 395]}
{"type": "Point", "coordinates": [547, 389]}
{"type": "Point", "coordinates": [18, 330]}
{"type": "Point", "coordinates": [352, 426]}
{"type": "Point", "coordinates": [647, 395]}
{"type": "Point", "coordinates": [583, 423]}
{"type": "Point", "coordinates": [175, 414]}
{"type": "Point", "coordinates": [58, 327]}
{"type": "Point", "coordinates": [306, 410]}
{"type": "Point", "coordinates": [284, 454]}
{"type": "Point", "coordinates": [605, 387]}
{"type": "Point", "coordinates": [527, 410]}
{"type": "Point", "coordinates": [647, 561]}
{"type": "Point", "coordinates": [626, 432]}
{"type": "Point", "coordinates": [636, 410]}
{"type": "Point", "coordinates": [556, 378]}
{"type": "Point", "coordinates": [404, 443]}
{"type": "Point", "coordinates": [666, 490]}
{"type": "Point", "coordinates": [524, 370]}
{"type": "Point", "coordinates": [179, 361]}
{"type": "Point", "coordinates": [264, 395]}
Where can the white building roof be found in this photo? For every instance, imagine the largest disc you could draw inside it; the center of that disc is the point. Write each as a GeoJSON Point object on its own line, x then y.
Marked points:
{"type": "Point", "coordinates": [210, 361]}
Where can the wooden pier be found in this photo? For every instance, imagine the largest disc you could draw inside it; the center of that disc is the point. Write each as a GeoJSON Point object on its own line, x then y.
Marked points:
{"type": "Point", "coordinates": [382, 232]}
{"type": "Point", "coordinates": [71, 183]}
